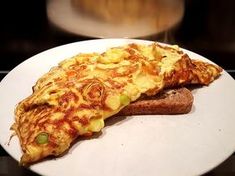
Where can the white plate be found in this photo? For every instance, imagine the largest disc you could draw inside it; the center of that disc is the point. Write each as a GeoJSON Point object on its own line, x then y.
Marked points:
{"type": "Point", "coordinates": [61, 14]}
{"type": "Point", "coordinates": [189, 144]}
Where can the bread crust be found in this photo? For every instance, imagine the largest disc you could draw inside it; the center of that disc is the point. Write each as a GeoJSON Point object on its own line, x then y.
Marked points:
{"type": "Point", "coordinates": [171, 101]}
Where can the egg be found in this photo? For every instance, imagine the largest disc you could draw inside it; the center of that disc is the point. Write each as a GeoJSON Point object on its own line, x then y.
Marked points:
{"type": "Point", "coordinates": [75, 97]}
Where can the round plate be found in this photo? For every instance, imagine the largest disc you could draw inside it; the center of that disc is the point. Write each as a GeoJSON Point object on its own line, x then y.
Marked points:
{"type": "Point", "coordinates": [189, 144]}
{"type": "Point", "coordinates": [63, 15]}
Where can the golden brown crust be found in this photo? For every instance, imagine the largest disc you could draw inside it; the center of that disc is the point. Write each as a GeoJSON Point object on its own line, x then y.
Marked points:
{"type": "Point", "coordinates": [172, 101]}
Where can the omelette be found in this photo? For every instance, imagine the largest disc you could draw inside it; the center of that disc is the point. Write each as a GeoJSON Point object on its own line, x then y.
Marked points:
{"type": "Point", "coordinates": [76, 96]}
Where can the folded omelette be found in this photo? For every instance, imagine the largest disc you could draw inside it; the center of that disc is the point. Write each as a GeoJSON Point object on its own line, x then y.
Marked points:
{"type": "Point", "coordinates": [74, 98]}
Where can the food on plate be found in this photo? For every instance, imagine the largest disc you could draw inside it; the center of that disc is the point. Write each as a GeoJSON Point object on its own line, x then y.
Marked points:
{"type": "Point", "coordinates": [170, 101]}
{"type": "Point", "coordinates": [74, 98]}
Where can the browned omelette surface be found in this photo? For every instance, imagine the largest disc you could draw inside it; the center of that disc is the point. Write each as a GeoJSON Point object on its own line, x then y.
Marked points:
{"type": "Point", "coordinates": [75, 97]}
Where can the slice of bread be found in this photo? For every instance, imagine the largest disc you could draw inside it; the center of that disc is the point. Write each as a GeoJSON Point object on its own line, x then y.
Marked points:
{"type": "Point", "coordinates": [171, 101]}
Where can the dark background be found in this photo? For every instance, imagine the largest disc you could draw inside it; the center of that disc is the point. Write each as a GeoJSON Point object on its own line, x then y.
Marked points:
{"type": "Point", "coordinates": [207, 28]}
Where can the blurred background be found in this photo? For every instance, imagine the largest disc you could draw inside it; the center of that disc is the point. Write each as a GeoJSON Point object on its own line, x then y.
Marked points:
{"type": "Point", "coordinates": [28, 27]}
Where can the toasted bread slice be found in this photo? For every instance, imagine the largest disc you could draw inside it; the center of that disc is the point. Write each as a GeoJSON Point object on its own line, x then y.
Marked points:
{"type": "Point", "coordinates": [171, 101]}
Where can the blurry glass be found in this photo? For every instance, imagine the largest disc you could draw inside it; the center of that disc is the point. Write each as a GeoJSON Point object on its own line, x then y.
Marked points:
{"type": "Point", "coordinates": [115, 18]}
